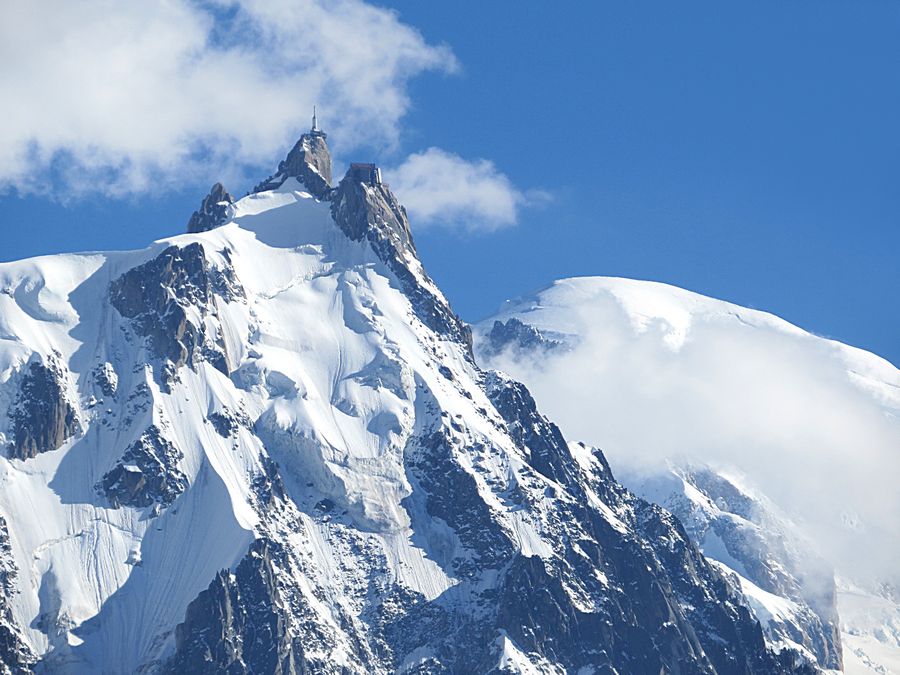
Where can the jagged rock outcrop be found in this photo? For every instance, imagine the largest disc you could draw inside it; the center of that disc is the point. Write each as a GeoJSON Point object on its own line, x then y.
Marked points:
{"type": "Point", "coordinates": [365, 208]}
{"type": "Point", "coordinates": [451, 497]}
{"type": "Point", "coordinates": [239, 624]}
{"type": "Point", "coordinates": [147, 474]}
{"type": "Point", "coordinates": [667, 605]}
{"type": "Point", "coordinates": [719, 515]}
{"type": "Point", "coordinates": [42, 417]}
{"type": "Point", "coordinates": [161, 295]}
{"type": "Point", "coordinates": [106, 378]}
{"type": "Point", "coordinates": [16, 658]}
{"type": "Point", "coordinates": [227, 422]}
{"type": "Point", "coordinates": [541, 439]}
{"type": "Point", "coordinates": [519, 336]}
{"type": "Point", "coordinates": [213, 210]}
{"type": "Point", "coordinates": [309, 161]}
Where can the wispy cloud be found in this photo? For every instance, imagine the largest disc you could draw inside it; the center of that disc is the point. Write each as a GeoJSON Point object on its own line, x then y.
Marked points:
{"type": "Point", "coordinates": [441, 188]}
{"type": "Point", "coordinates": [125, 97]}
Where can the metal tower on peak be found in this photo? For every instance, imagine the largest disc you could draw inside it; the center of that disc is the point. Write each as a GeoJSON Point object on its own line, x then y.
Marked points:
{"type": "Point", "coordinates": [315, 131]}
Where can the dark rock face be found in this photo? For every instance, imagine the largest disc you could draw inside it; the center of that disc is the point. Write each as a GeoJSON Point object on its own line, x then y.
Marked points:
{"type": "Point", "coordinates": [540, 617]}
{"type": "Point", "coordinates": [624, 593]}
{"type": "Point", "coordinates": [519, 335]}
{"type": "Point", "coordinates": [213, 211]}
{"type": "Point", "coordinates": [775, 565]}
{"type": "Point", "coordinates": [8, 568]}
{"type": "Point", "coordinates": [156, 297]}
{"type": "Point", "coordinates": [42, 417]}
{"type": "Point", "coordinates": [106, 379]}
{"type": "Point", "coordinates": [543, 440]}
{"type": "Point", "coordinates": [147, 474]}
{"type": "Point", "coordinates": [309, 161]}
{"type": "Point", "coordinates": [452, 496]}
{"type": "Point", "coordinates": [731, 637]}
{"type": "Point", "coordinates": [16, 658]}
{"type": "Point", "coordinates": [365, 209]}
{"type": "Point", "coordinates": [267, 485]}
{"type": "Point", "coordinates": [239, 624]}
{"type": "Point", "coordinates": [664, 608]}
{"type": "Point", "coordinates": [228, 422]}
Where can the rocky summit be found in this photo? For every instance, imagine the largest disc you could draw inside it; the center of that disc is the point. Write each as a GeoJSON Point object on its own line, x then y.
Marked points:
{"type": "Point", "coordinates": [266, 446]}
{"type": "Point", "coordinates": [213, 210]}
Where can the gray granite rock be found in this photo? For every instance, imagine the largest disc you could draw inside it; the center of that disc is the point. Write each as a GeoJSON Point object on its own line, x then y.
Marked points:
{"type": "Point", "coordinates": [157, 295]}
{"type": "Point", "coordinates": [239, 624]}
{"type": "Point", "coordinates": [309, 161]}
{"type": "Point", "coordinates": [16, 657]}
{"type": "Point", "coordinates": [42, 417]}
{"type": "Point", "coordinates": [365, 208]}
{"type": "Point", "coordinates": [148, 473]}
{"type": "Point", "coordinates": [213, 210]}
{"type": "Point", "coordinates": [519, 336]}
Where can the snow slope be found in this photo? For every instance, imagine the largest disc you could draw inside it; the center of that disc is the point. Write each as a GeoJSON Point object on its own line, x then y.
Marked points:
{"type": "Point", "coordinates": [664, 380]}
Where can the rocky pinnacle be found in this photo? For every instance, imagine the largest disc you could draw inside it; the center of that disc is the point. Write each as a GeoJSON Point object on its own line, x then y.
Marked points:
{"type": "Point", "coordinates": [213, 211]}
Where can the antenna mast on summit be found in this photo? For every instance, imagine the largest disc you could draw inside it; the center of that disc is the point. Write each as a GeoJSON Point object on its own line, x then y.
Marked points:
{"type": "Point", "coordinates": [315, 124]}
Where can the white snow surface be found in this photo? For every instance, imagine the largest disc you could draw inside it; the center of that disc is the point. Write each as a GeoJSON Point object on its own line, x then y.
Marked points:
{"type": "Point", "coordinates": [658, 376]}
{"type": "Point", "coordinates": [515, 662]}
{"type": "Point", "coordinates": [325, 355]}
{"type": "Point", "coordinates": [870, 630]}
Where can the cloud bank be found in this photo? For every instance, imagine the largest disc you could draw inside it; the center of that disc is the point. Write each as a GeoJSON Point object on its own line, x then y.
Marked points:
{"type": "Point", "coordinates": [660, 373]}
{"type": "Point", "coordinates": [128, 97]}
{"type": "Point", "coordinates": [441, 188]}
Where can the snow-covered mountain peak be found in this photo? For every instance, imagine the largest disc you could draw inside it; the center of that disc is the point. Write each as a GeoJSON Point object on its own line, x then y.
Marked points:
{"type": "Point", "coordinates": [686, 392]}
{"type": "Point", "coordinates": [649, 305]}
{"type": "Point", "coordinates": [566, 307]}
{"type": "Point", "coordinates": [267, 447]}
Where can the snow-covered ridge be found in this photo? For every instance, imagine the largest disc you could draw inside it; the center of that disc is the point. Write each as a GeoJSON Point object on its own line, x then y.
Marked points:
{"type": "Point", "coordinates": [673, 311]}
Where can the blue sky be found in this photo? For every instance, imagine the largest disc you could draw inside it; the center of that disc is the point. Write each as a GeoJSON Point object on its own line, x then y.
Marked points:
{"type": "Point", "coordinates": [748, 151]}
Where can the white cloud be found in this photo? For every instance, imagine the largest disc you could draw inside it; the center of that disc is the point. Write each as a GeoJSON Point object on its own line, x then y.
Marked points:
{"type": "Point", "coordinates": [438, 187]}
{"type": "Point", "coordinates": [778, 405]}
{"type": "Point", "coordinates": [123, 96]}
